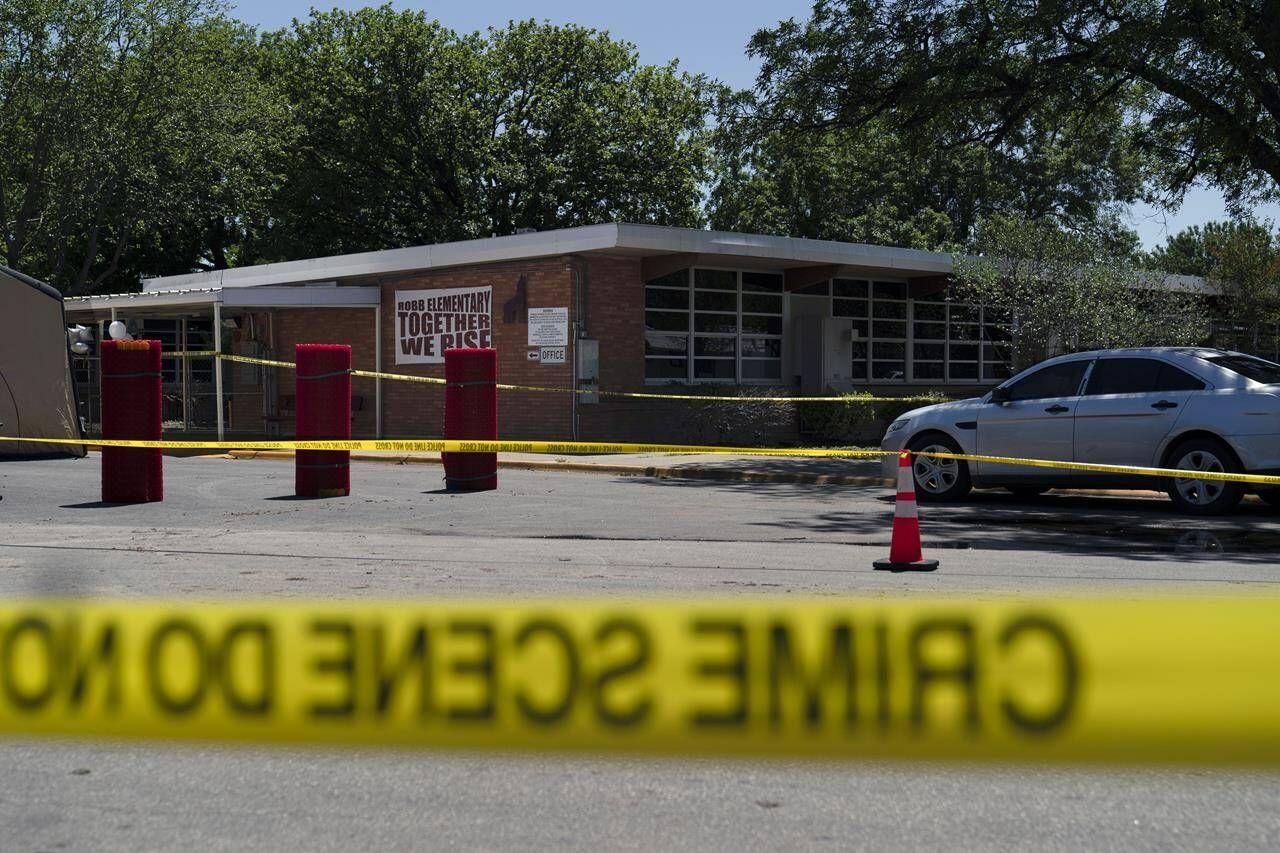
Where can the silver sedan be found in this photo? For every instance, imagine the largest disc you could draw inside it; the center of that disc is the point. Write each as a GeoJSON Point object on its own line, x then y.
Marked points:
{"type": "Point", "coordinates": [1168, 407]}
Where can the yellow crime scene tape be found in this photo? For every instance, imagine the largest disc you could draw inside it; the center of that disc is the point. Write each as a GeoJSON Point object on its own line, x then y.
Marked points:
{"type": "Point", "coordinates": [432, 380]}
{"type": "Point", "coordinates": [445, 445]}
{"type": "Point", "coordinates": [1154, 681]}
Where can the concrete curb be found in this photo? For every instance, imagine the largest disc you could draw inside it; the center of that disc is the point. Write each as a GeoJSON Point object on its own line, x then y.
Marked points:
{"type": "Point", "coordinates": [721, 474]}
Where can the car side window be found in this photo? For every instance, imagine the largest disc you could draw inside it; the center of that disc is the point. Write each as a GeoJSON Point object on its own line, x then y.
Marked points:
{"type": "Point", "coordinates": [1176, 379]}
{"type": "Point", "coordinates": [1058, 380]}
{"type": "Point", "coordinates": [1123, 376]}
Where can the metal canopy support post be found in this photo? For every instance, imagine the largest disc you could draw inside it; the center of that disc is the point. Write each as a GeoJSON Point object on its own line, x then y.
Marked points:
{"type": "Point", "coordinates": [185, 366]}
{"type": "Point", "coordinates": [217, 367]}
{"type": "Point", "coordinates": [377, 366]}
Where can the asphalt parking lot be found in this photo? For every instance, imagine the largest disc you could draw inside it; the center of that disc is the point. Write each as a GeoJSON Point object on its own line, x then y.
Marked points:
{"type": "Point", "coordinates": [231, 528]}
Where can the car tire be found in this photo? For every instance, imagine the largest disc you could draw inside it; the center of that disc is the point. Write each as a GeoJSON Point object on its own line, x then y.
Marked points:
{"type": "Point", "coordinates": [938, 480]}
{"type": "Point", "coordinates": [1026, 493]}
{"type": "Point", "coordinates": [1204, 497]}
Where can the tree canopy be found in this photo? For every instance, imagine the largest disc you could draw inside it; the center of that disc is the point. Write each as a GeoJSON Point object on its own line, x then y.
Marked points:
{"type": "Point", "coordinates": [1186, 89]}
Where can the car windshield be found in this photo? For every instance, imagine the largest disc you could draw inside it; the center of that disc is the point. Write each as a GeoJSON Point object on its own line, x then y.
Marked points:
{"type": "Point", "coordinates": [1266, 372]}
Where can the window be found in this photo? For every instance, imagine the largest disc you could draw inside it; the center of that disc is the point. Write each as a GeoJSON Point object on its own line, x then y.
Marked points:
{"type": "Point", "coordinates": [1057, 380]}
{"type": "Point", "coordinates": [714, 325]}
{"type": "Point", "coordinates": [1138, 376]}
{"type": "Point", "coordinates": [1266, 372]}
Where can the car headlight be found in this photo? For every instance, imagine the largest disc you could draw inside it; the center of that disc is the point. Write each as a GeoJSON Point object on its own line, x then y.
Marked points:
{"type": "Point", "coordinates": [899, 424]}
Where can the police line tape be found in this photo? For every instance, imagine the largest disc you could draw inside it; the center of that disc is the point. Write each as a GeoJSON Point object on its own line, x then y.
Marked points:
{"type": "Point", "coordinates": [1154, 680]}
{"type": "Point", "coordinates": [433, 380]}
{"type": "Point", "coordinates": [447, 445]}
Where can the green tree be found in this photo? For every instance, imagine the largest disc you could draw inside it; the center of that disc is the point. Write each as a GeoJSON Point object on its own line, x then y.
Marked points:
{"type": "Point", "coordinates": [1192, 85]}
{"type": "Point", "coordinates": [1071, 291]}
{"type": "Point", "coordinates": [126, 122]}
{"type": "Point", "coordinates": [409, 133]}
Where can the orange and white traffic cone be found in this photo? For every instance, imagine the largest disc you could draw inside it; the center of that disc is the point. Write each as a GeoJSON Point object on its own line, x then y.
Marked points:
{"type": "Point", "coordinates": [904, 549]}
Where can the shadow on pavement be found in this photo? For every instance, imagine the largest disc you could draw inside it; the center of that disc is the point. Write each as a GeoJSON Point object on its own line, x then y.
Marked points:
{"type": "Point", "coordinates": [996, 520]}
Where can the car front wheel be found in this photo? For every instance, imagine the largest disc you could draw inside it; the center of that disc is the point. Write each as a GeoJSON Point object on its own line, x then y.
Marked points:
{"type": "Point", "coordinates": [1204, 497]}
{"type": "Point", "coordinates": [938, 480]}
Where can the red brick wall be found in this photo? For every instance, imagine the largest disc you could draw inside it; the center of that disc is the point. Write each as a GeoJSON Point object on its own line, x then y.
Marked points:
{"type": "Point", "coordinates": [351, 326]}
{"type": "Point", "coordinates": [410, 409]}
{"type": "Point", "coordinates": [615, 317]}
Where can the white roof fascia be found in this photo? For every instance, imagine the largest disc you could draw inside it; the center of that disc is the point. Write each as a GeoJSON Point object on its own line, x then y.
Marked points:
{"type": "Point", "coordinates": [824, 252]}
{"type": "Point", "coordinates": [484, 251]}
{"type": "Point", "coordinates": [302, 297]}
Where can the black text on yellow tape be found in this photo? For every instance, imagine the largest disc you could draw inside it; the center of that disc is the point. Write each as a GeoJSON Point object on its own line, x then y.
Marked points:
{"type": "Point", "coordinates": [1149, 681]}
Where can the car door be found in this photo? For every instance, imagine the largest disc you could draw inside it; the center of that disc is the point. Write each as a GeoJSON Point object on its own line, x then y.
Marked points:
{"type": "Point", "coordinates": [1128, 407]}
{"type": "Point", "coordinates": [1035, 423]}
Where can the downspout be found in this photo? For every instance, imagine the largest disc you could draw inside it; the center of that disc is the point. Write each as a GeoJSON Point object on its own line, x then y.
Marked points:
{"type": "Point", "coordinates": [580, 279]}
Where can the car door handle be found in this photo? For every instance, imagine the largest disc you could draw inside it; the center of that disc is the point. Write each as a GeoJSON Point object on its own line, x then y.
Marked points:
{"type": "Point", "coordinates": [1164, 404]}
{"type": "Point", "coordinates": [1057, 410]}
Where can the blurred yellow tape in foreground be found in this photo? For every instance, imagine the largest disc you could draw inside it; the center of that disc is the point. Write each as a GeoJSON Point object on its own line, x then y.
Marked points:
{"type": "Point", "coordinates": [1163, 681]}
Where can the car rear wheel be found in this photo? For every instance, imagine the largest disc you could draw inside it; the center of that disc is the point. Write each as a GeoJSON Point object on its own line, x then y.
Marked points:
{"type": "Point", "coordinates": [1204, 497]}
{"type": "Point", "coordinates": [938, 480]}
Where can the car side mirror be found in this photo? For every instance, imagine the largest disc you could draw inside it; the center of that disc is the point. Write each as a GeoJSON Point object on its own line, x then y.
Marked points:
{"type": "Point", "coordinates": [999, 396]}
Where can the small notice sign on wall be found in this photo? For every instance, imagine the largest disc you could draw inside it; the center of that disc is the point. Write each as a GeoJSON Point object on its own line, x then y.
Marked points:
{"type": "Point", "coordinates": [551, 355]}
{"type": "Point", "coordinates": [548, 327]}
{"type": "Point", "coordinates": [428, 322]}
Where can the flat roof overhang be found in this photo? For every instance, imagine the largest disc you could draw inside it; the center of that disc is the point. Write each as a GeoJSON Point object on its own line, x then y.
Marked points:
{"type": "Point", "coordinates": [649, 242]}
{"type": "Point", "coordinates": [167, 303]}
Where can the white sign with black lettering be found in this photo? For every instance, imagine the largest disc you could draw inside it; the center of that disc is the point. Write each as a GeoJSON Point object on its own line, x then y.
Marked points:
{"type": "Point", "coordinates": [532, 355]}
{"type": "Point", "coordinates": [428, 322]}
{"type": "Point", "coordinates": [551, 355]}
{"type": "Point", "coordinates": [548, 327]}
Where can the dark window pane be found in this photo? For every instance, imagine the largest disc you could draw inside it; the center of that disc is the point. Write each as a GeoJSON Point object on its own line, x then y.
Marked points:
{"type": "Point", "coordinates": [762, 282]}
{"type": "Point", "coordinates": [889, 329]}
{"type": "Point", "coordinates": [715, 323]}
{"type": "Point", "coordinates": [761, 304]}
{"type": "Point", "coordinates": [929, 352]}
{"type": "Point", "coordinates": [706, 368]}
{"type": "Point", "coordinates": [996, 352]}
{"type": "Point", "coordinates": [861, 329]}
{"type": "Point", "coordinates": [995, 370]}
{"type": "Point", "coordinates": [1123, 376]}
{"type": "Point", "coordinates": [715, 280]}
{"type": "Point", "coordinates": [849, 307]}
{"type": "Point", "coordinates": [890, 310]}
{"type": "Point", "coordinates": [666, 368]}
{"type": "Point", "coordinates": [679, 278]}
{"type": "Point", "coordinates": [822, 288]}
{"type": "Point", "coordinates": [934, 331]}
{"type": "Point", "coordinates": [997, 333]}
{"type": "Point", "coordinates": [925, 311]}
{"type": "Point", "coordinates": [762, 348]}
{"type": "Point", "coordinates": [666, 344]}
{"type": "Point", "coordinates": [964, 314]}
{"type": "Point", "coordinates": [1173, 379]}
{"type": "Point", "coordinates": [713, 301]}
{"type": "Point", "coordinates": [883, 350]}
{"type": "Point", "coordinates": [889, 289]}
{"type": "Point", "coordinates": [964, 352]}
{"type": "Point", "coordinates": [666, 321]}
{"type": "Point", "coordinates": [964, 333]}
{"type": "Point", "coordinates": [888, 370]}
{"type": "Point", "coordinates": [672, 299]}
{"type": "Point", "coordinates": [714, 346]}
{"type": "Point", "coordinates": [766, 369]}
{"type": "Point", "coordinates": [1058, 380]}
{"type": "Point", "coordinates": [1256, 369]}
{"type": "Point", "coordinates": [928, 370]}
{"type": "Point", "coordinates": [964, 370]}
{"type": "Point", "coordinates": [762, 325]}
{"type": "Point", "coordinates": [849, 287]}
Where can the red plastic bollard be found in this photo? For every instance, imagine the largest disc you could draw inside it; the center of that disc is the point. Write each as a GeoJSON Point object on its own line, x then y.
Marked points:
{"type": "Point", "coordinates": [323, 409]}
{"type": "Point", "coordinates": [131, 410]}
{"type": "Point", "coordinates": [471, 411]}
